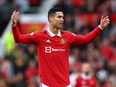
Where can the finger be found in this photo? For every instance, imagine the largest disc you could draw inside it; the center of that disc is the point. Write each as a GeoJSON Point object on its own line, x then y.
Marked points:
{"type": "Point", "coordinates": [106, 17]}
{"type": "Point", "coordinates": [17, 12]}
{"type": "Point", "coordinates": [14, 11]}
{"type": "Point", "coordinates": [108, 21]}
{"type": "Point", "coordinates": [14, 16]}
{"type": "Point", "coordinates": [102, 17]}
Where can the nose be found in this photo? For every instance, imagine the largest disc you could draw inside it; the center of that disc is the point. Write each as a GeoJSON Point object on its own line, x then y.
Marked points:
{"type": "Point", "coordinates": [62, 19]}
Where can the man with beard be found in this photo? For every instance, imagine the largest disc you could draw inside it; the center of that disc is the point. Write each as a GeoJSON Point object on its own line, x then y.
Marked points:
{"type": "Point", "coordinates": [86, 78]}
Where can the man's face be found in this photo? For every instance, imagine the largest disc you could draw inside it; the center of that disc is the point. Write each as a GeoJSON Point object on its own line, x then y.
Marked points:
{"type": "Point", "coordinates": [57, 20]}
{"type": "Point", "coordinates": [86, 68]}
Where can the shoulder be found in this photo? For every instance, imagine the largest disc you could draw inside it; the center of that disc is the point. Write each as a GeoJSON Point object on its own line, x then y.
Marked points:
{"type": "Point", "coordinates": [67, 33]}
{"type": "Point", "coordinates": [79, 79]}
{"type": "Point", "coordinates": [39, 32]}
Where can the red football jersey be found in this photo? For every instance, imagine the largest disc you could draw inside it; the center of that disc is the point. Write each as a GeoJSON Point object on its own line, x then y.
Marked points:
{"type": "Point", "coordinates": [53, 52]}
{"type": "Point", "coordinates": [84, 81]}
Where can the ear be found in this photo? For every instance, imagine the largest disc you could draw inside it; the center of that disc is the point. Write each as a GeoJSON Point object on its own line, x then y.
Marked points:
{"type": "Point", "coordinates": [50, 18]}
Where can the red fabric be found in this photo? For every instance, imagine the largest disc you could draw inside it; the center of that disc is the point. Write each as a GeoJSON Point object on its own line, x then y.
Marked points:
{"type": "Point", "coordinates": [80, 82]}
{"type": "Point", "coordinates": [53, 53]}
{"type": "Point", "coordinates": [77, 2]}
{"type": "Point", "coordinates": [34, 2]}
{"type": "Point", "coordinates": [31, 73]}
{"type": "Point", "coordinates": [107, 51]}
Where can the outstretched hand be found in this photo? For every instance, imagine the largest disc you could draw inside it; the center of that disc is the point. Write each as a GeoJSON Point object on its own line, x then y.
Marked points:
{"type": "Point", "coordinates": [15, 17]}
{"type": "Point", "coordinates": [104, 22]}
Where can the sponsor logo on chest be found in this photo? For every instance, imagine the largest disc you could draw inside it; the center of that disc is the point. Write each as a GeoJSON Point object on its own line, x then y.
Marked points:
{"type": "Point", "coordinates": [49, 49]}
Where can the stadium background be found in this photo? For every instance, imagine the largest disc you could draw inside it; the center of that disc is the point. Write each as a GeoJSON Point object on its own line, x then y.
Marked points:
{"type": "Point", "coordinates": [18, 63]}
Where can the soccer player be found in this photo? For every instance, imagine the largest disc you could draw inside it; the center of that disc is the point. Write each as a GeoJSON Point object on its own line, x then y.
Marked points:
{"type": "Point", "coordinates": [86, 78]}
{"type": "Point", "coordinates": [53, 46]}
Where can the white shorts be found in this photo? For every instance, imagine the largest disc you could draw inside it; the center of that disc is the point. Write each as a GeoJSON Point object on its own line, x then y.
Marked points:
{"type": "Point", "coordinates": [43, 85]}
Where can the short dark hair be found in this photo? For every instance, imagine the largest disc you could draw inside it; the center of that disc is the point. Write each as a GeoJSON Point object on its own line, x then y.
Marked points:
{"type": "Point", "coordinates": [53, 10]}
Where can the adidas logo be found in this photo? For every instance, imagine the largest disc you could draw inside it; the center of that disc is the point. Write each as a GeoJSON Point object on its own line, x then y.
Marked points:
{"type": "Point", "coordinates": [48, 41]}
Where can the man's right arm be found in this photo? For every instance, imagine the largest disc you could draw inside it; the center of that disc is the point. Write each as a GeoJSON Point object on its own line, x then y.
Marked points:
{"type": "Point", "coordinates": [18, 37]}
{"type": "Point", "coordinates": [26, 38]}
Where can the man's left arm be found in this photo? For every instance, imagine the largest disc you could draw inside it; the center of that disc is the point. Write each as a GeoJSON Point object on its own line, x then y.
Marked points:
{"type": "Point", "coordinates": [83, 39]}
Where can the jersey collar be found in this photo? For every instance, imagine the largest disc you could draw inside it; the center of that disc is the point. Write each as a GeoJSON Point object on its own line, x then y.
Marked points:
{"type": "Point", "coordinates": [86, 77]}
{"type": "Point", "coordinates": [51, 34]}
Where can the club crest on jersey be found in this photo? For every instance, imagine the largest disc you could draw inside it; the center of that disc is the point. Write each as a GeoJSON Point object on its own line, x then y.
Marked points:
{"type": "Point", "coordinates": [62, 41]}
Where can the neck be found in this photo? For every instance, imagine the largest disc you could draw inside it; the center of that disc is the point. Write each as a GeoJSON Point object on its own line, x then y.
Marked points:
{"type": "Point", "coordinates": [87, 73]}
{"type": "Point", "coordinates": [54, 30]}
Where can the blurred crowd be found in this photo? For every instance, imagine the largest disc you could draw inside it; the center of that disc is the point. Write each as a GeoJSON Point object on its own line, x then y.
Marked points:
{"type": "Point", "coordinates": [19, 68]}
{"type": "Point", "coordinates": [8, 6]}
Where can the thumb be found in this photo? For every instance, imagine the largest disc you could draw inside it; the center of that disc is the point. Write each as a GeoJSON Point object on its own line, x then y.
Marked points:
{"type": "Point", "coordinates": [102, 17]}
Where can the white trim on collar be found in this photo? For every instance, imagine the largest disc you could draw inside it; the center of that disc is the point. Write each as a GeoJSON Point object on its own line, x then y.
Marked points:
{"type": "Point", "coordinates": [52, 35]}
{"type": "Point", "coordinates": [86, 77]}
